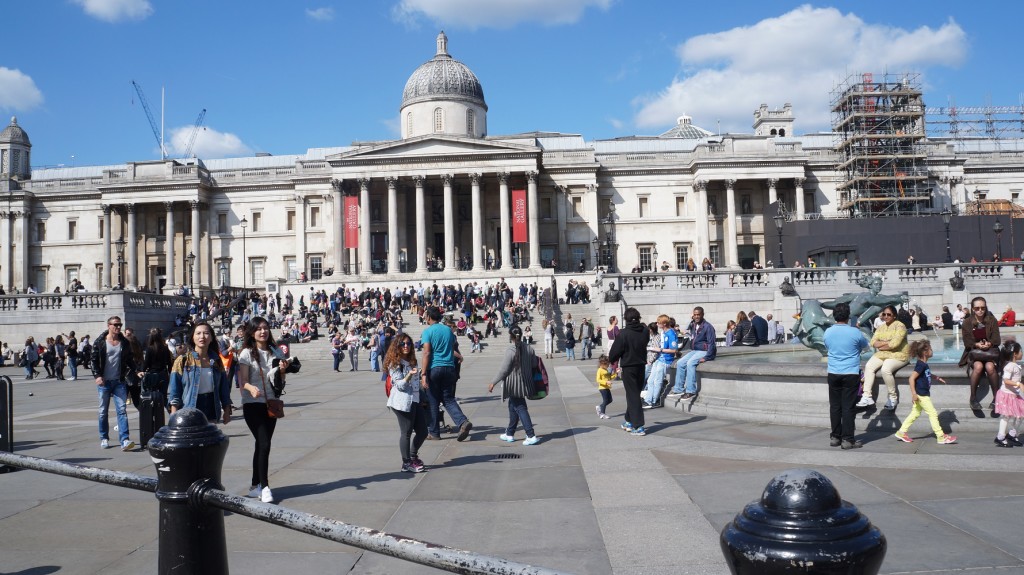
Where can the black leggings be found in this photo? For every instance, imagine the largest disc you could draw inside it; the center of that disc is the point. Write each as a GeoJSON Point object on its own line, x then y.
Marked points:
{"type": "Point", "coordinates": [262, 427]}
{"type": "Point", "coordinates": [408, 421]}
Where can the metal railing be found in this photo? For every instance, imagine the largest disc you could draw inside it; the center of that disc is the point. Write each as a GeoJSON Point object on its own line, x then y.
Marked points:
{"type": "Point", "coordinates": [189, 495]}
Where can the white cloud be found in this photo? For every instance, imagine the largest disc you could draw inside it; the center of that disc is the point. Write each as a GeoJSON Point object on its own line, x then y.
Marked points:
{"type": "Point", "coordinates": [17, 91]}
{"type": "Point", "coordinates": [472, 14]}
{"type": "Point", "coordinates": [209, 143]}
{"type": "Point", "coordinates": [116, 10]}
{"type": "Point", "coordinates": [798, 57]}
{"type": "Point", "coordinates": [322, 14]}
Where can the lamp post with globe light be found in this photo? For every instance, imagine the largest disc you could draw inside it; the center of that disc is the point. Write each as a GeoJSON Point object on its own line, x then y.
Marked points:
{"type": "Point", "coordinates": [997, 229]}
{"type": "Point", "coordinates": [244, 223]}
{"type": "Point", "coordinates": [946, 216]}
{"type": "Point", "coordinates": [779, 220]}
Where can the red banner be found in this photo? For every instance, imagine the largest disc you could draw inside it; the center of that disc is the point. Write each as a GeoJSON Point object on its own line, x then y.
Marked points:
{"type": "Point", "coordinates": [351, 222]}
{"type": "Point", "coordinates": [519, 234]}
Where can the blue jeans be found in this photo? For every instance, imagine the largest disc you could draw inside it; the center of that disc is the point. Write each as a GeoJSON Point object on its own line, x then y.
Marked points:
{"type": "Point", "coordinates": [373, 359]}
{"type": "Point", "coordinates": [441, 384]}
{"type": "Point", "coordinates": [73, 364]}
{"type": "Point", "coordinates": [116, 388]}
{"type": "Point", "coordinates": [655, 380]}
{"type": "Point", "coordinates": [337, 359]}
{"type": "Point", "coordinates": [587, 347]}
{"type": "Point", "coordinates": [686, 372]}
{"type": "Point", "coordinates": [570, 353]}
{"type": "Point", "coordinates": [517, 412]}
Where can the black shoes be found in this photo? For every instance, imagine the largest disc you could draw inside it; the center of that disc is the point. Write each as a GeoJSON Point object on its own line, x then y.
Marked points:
{"type": "Point", "coordinates": [1003, 442]}
{"type": "Point", "coordinates": [855, 444]}
{"type": "Point", "coordinates": [464, 430]}
{"type": "Point", "coordinates": [1014, 441]}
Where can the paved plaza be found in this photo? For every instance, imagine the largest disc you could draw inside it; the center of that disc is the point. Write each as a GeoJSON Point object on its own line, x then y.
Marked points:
{"type": "Point", "coordinates": [589, 499]}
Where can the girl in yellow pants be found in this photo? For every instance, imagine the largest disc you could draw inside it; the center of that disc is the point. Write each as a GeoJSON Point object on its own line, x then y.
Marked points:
{"type": "Point", "coordinates": [920, 393]}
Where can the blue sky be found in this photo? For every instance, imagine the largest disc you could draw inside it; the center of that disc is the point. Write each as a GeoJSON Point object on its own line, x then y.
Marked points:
{"type": "Point", "coordinates": [281, 77]}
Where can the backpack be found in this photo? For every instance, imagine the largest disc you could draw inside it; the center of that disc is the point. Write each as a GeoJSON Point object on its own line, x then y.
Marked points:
{"type": "Point", "coordinates": [540, 380]}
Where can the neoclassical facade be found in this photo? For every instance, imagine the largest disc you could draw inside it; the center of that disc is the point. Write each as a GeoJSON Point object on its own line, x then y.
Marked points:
{"type": "Point", "coordinates": [447, 195]}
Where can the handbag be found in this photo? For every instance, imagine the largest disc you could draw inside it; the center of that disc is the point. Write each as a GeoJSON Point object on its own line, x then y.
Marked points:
{"type": "Point", "coordinates": [540, 380]}
{"type": "Point", "coordinates": [275, 407]}
{"type": "Point", "coordinates": [984, 355]}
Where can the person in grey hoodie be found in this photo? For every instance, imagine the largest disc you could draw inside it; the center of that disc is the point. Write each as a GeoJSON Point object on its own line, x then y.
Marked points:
{"type": "Point", "coordinates": [630, 351]}
{"type": "Point", "coordinates": [516, 378]}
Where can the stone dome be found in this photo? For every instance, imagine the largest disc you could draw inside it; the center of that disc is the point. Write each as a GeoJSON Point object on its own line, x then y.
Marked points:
{"type": "Point", "coordinates": [443, 78]}
{"type": "Point", "coordinates": [13, 134]}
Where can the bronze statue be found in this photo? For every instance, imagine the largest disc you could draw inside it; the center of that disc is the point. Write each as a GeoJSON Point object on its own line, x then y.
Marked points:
{"type": "Point", "coordinates": [812, 321]}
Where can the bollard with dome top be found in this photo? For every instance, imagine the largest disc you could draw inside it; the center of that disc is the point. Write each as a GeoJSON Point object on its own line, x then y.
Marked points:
{"type": "Point", "coordinates": [801, 525]}
{"type": "Point", "coordinates": [189, 453]}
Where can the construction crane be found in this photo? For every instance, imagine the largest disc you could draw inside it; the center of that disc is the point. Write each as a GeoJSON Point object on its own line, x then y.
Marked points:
{"type": "Point", "coordinates": [195, 132]}
{"type": "Point", "coordinates": [152, 123]}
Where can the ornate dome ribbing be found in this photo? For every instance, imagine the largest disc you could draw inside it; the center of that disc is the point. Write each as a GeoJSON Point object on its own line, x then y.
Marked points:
{"type": "Point", "coordinates": [443, 78]}
{"type": "Point", "coordinates": [13, 134]}
{"type": "Point", "coordinates": [685, 129]}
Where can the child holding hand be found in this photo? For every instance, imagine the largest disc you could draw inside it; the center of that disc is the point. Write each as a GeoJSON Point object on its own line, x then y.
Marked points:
{"type": "Point", "coordinates": [604, 384]}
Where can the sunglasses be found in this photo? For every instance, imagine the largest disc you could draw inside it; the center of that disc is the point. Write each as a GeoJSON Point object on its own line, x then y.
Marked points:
{"type": "Point", "coordinates": [115, 324]}
{"type": "Point", "coordinates": [980, 309]}
{"type": "Point", "coordinates": [406, 344]}
{"type": "Point", "coordinates": [885, 314]}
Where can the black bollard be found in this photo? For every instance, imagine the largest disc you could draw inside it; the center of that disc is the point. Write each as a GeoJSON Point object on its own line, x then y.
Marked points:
{"type": "Point", "coordinates": [188, 453]}
{"type": "Point", "coordinates": [6, 419]}
{"type": "Point", "coordinates": [801, 525]}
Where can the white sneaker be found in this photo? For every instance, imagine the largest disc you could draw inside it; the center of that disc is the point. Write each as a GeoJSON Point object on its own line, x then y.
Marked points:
{"type": "Point", "coordinates": [605, 416]}
{"type": "Point", "coordinates": [597, 408]}
{"type": "Point", "coordinates": [865, 401]}
{"type": "Point", "coordinates": [531, 440]}
{"type": "Point", "coordinates": [255, 491]}
{"type": "Point", "coordinates": [506, 438]}
{"type": "Point", "coordinates": [266, 495]}
{"type": "Point", "coordinates": [104, 444]}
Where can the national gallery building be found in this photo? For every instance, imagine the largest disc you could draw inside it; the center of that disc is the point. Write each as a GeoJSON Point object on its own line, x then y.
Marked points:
{"type": "Point", "coordinates": [450, 196]}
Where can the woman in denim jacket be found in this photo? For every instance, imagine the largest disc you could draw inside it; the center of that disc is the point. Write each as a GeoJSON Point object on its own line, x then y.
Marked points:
{"type": "Point", "coordinates": [198, 378]}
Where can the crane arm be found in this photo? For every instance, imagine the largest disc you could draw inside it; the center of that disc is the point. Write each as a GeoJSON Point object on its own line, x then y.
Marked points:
{"type": "Point", "coordinates": [149, 115]}
{"type": "Point", "coordinates": [195, 132]}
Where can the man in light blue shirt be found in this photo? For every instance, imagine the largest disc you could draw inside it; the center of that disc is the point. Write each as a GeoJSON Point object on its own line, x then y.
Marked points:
{"type": "Point", "coordinates": [844, 344]}
{"type": "Point", "coordinates": [440, 375]}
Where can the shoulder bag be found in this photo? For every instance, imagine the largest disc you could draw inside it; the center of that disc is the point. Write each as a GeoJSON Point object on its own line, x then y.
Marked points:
{"type": "Point", "coordinates": [275, 406]}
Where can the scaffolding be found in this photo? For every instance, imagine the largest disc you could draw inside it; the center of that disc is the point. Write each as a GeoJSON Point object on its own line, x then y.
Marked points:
{"type": "Point", "coordinates": [967, 122]}
{"type": "Point", "coordinates": [880, 125]}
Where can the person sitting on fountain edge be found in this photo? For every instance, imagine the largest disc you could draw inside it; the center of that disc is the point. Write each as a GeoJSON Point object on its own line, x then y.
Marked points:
{"type": "Point", "coordinates": [702, 339]}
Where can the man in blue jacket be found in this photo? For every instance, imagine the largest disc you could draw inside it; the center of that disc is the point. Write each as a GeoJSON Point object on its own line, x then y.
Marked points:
{"type": "Point", "coordinates": [760, 328]}
{"type": "Point", "coordinates": [702, 340]}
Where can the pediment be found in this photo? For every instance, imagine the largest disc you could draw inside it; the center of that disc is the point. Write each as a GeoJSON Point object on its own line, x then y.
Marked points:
{"type": "Point", "coordinates": [433, 146]}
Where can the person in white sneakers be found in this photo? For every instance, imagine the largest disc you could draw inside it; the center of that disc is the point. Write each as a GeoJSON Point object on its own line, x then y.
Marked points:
{"type": "Point", "coordinates": [890, 341]}
{"type": "Point", "coordinates": [516, 378]}
{"type": "Point", "coordinates": [112, 365]}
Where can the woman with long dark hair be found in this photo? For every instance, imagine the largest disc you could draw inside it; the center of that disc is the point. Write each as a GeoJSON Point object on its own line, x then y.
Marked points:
{"type": "Point", "coordinates": [630, 351]}
{"type": "Point", "coordinates": [516, 378]}
{"type": "Point", "coordinates": [254, 365]}
{"type": "Point", "coordinates": [980, 332]}
{"type": "Point", "coordinates": [198, 378]}
{"type": "Point", "coordinates": [404, 401]}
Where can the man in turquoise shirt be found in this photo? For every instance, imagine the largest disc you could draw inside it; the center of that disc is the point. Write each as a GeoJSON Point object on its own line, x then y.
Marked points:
{"type": "Point", "coordinates": [844, 344]}
{"type": "Point", "coordinates": [439, 375]}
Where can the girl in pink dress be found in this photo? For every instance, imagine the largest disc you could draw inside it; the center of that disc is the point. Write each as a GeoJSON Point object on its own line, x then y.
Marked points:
{"type": "Point", "coordinates": [1009, 401]}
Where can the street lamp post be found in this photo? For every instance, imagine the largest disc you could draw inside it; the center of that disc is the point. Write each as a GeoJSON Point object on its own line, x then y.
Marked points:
{"type": "Point", "coordinates": [946, 216]}
{"type": "Point", "coordinates": [997, 228]}
{"type": "Point", "coordinates": [597, 252]}
{"type": "Point", "coordinates": [223, 275]}
{"type": "Point", "coordinates": [977, 208]}
{"type": "Point", "coordinates": [779, 220]}
{"type": "Point", "coordinates": [120, 262]}
{"type": "Point", "coordinates": [610, 237]}
{"type": "Point", "coordinates": [244, 223]}
{"type": "Point", "coordinates": [191, 273]}
{"type": "Point", "coordinates": [654, 259]}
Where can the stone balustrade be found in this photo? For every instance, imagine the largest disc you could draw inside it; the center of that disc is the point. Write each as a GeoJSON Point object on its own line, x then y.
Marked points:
{"type": "Point", "coordinates": [48, 314]}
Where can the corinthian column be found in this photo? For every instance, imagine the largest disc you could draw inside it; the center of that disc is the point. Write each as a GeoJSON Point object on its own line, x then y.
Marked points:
{"type": "Point", "coordinates": [168, 245]}
{"type": "Point", "coordinates": [7, 254]}
{"type": "Point", "coordinates": [106, 246]}
{"type": "Point", "coordinates": [449, 225]}
{"type": "Point", "coordinates": [506, 227]}
{"type": "Point", "coordinates": [197, 236]}
{"type": "Point", "coordinates": [478, 232]}
{"type": "Point", "coordinates": [798, 189]}
{"type": "Point", "coordinates": [338, 227]}
{"type": "Point", "coordinates": [365, 262]}
{"type": "Point", "coordinates": [732, 255]}
{"type": "Point", "coordinates": [133, 248]}
{"type": "Point", "coordinates": [700, 189]}
{"type": "Point", "coordinates": [393, 247]}
{"type": "Point", "coordinates": [773, 194]}
{"type": "Point", "coordinates": [532, 225]}
{"type": "Point", "coordinates": [421, 227]}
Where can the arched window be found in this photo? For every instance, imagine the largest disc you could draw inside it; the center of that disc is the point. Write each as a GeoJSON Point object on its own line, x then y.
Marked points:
{"type": "Point", "coordinates": [774, 132]}
{"type": "Point", "coordinates": [438, 120]}
{"type": "Point", "coordinates": [782, 132]}
{"type": "Point", "coordinates": [470, 122]}
{"type": "Point", "coordinates": [408, 123]}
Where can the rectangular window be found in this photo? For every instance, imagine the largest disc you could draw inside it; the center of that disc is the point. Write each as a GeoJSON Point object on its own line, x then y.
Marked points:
{"type": "Point", "coordinates": [258, 276]}
{"type": "Point", "coordinates": [161, 228]}
{"type": "Point", "coordinates": [644, 210]}
{"type": "Point", "coordinates": [70, 275]}
{"type": "Point", "coordinates": [1014, 195]}
{"type": "Point", "coordinates": [40, 275]}
{"type": "Point", "coordinates": [293, 269]}
{"type": "Point", "coordinates": [646, 260]}
{"type": "Point", "coordinates": [545, 208]}
{"type": "Point", "coordinates": [316, 267]}
{"type": "Point", "coordinates": [745, 206]}
{"type": "Point", "coordinates": [375, 210]}
{"type": "Point", "coordinates": [222, 223]}
{"type": "Point", "coordinates": [314, 216]}
{"type": "Point", "coordinates": [680, 206]}
{"type": "Point", "coordinates": [257, 222]}
{"type": "Point", "coordinates": [72, 229]}
{"type": "Point", "coordinates": [716, 255]}
{"type": "Point", "coordinates": [290, 221]}
{"type": "Point", "coordinates": [579, 254]}
{"type": "Point", "coordinates": [100, 221]}
{"type": "Point", "coordinates": [682, 255]}
{"type": "Point", "coordinates": [41, 231]}
{"type": "Point", "coordinates": [577, 207]}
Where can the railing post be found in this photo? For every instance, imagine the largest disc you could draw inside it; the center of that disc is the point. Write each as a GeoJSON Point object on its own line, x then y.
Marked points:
{"type": "Point", "coordinates": [189, 453]}
{"type": "Point", "coordinates": [6, 419]}
{"type": "Point", "coordinates": [801, 525]}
